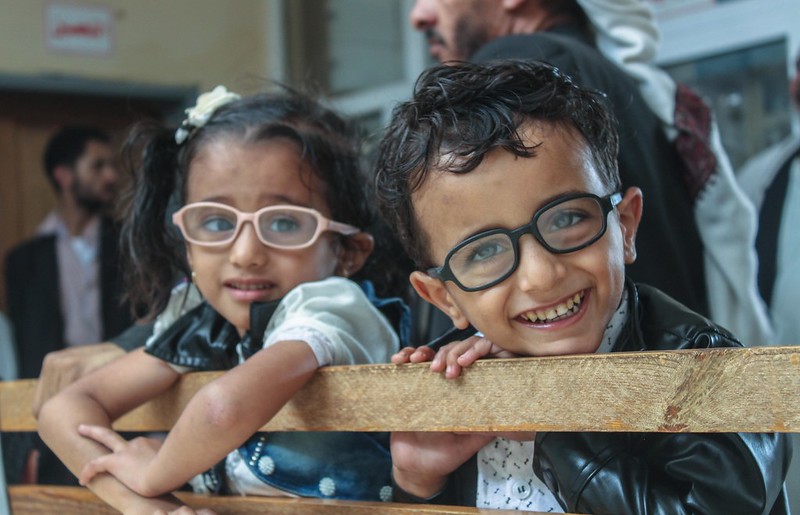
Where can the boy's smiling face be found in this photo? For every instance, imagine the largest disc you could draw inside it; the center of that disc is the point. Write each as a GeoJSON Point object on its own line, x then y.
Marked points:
{"type": "Point", "coordinates": [504, 191]}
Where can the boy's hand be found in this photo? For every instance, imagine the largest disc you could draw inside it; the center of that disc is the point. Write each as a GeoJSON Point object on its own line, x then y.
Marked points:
{"type": "Point", "coordinates": [451, 358]}
{"type": "Point", "coordinates": [519, 436]}
{"type": "Point", "coordinates": [128, 461]}
{"type": "Point", "coordinates": [422, 462]}
{"type": "Point", "coordinates": [413, 355]}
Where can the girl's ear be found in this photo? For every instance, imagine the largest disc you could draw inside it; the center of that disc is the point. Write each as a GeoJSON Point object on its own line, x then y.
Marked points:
{"type": "Point", "coordinates": [189, 260]}
{"type": "Point", "coordinates": [630, 214]}
{"type": "Point", "coordinates": [353, 253]}
{"type": "Point", "coordinates": [433, 291]}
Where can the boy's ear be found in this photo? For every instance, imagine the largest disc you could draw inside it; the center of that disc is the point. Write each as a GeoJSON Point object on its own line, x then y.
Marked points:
{"type": "Point", "coordinates": [433, 291]}
{"type": "Point", "coordinates": [353, 253]}
{"type": "Point", "coordinates": [630, 214]}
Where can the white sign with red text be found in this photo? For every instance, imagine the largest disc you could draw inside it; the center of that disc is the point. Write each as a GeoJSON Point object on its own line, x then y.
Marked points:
{"type": "Point", "coordinates": [79, 29]}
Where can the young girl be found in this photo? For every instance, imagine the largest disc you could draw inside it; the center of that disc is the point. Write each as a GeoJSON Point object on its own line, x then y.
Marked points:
{"type": "Point", "coordinates": [273, 208]}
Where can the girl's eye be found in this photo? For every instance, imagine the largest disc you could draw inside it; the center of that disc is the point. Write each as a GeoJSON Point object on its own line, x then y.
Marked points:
{"type": "Point", "coordinates": [218, 224]}
{"type": "Point", "coordinates": [284, 224]}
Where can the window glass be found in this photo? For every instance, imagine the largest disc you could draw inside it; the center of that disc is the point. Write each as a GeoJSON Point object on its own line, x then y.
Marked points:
{"type": "Point", "coordinates": [342, 46]}
{"type": "Point", "coordinates": [748, 90]}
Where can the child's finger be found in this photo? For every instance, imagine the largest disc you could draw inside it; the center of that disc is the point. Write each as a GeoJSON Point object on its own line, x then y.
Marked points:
{"type": "Point", "coordinates": [102, 435]}
{"type": "Point", "coordinates": [403, 356]}
{"type": "Point", "coordinates": [447, 356]}
{"type": "Point", "coordinates": [453, 371]}
{"type": "Point", "coordinates": [422, 354]}
{"type": "Point", "coordinates": [439, 361]}
{"type": "Point", "coordinates": [480, 348]}
{"type": "Point", "coordinates": [91, 469]}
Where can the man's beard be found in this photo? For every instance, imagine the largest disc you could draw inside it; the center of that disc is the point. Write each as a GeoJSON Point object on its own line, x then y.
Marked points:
{"type": "Point", "coordinates": [86, 199]}
{"type": "Point", "coordinates": [469, 37]}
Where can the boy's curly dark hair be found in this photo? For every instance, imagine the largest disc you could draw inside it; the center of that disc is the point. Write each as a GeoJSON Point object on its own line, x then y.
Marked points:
{"type": "Point", "coordinates": [462, 111]}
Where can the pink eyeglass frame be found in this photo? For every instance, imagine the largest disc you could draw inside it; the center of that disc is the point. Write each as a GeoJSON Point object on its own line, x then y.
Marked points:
{"type": "Point", "coordinates": [323, 224]}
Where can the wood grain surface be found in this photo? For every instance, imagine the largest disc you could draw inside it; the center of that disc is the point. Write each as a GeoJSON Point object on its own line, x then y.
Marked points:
{"type": "Point", "coordinates": [715, 390]}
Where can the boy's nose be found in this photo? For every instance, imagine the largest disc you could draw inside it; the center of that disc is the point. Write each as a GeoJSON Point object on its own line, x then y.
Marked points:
{"type": "Point", "coordinates": [538, 269]}
{"type": "Point", "coordinates": [247, 250]}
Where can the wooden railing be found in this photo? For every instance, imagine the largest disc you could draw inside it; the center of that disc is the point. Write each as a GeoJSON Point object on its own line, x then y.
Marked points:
{"type": "Point", "coordinates": [715, 390]}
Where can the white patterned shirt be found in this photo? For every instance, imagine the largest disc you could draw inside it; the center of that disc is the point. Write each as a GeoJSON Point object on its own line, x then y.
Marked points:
{"type": "Point", "coordinates": [505, 467]}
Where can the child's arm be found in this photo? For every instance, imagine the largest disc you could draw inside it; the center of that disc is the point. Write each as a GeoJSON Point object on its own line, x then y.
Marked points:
{"type": "Point", "coordinates": [99, 398]}
{"type": "Point", "coordinates": [63, 367]}
{"type": "Point", "coordinates": [219, 418]}
{"type": "Point", "coordinates": [454, 356]}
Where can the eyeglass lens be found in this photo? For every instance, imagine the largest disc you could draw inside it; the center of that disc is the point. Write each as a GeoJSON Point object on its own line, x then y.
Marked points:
{"type": "Point", "coordinates": [281, 227]}
{"type": "Point", "coordinates": [563, 227]}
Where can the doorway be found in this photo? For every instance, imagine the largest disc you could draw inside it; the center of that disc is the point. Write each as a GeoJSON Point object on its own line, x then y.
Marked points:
{"type": "Point", "coordinates": [31, 113]}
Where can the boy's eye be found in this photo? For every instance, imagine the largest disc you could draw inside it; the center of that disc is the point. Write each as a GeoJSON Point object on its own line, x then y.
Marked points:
{"type": "Point", "coordinates": [563, 219]}
{"type": "Point", "coordinates": [484, 250]}
{"type": "Point", "coordinates": [218, 224]}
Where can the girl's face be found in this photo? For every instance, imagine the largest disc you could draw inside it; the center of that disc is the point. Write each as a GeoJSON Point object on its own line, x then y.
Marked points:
{"type": "Point", "coordinates": [249, 177]}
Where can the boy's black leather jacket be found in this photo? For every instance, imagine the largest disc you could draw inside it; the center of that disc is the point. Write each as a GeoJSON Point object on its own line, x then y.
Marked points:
{"type": "Point", "coordinates": [653, 473]}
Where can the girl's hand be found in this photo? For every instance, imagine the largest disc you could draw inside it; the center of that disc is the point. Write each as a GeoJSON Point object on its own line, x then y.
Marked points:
{"type": "Point", "coordinates": [451, 358]}
{"type": "Point", "coordinates": [128, 461]}
{"type": "Point", "coordinates": [162, 505]}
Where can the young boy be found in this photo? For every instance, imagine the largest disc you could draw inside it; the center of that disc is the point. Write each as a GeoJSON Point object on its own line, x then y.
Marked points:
{"type": "Point", "coordinates": [501, 181]}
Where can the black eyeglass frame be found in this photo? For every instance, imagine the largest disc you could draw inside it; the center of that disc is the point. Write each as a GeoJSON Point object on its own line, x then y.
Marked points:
{"type": "Point", "coordinates": [607, 204]}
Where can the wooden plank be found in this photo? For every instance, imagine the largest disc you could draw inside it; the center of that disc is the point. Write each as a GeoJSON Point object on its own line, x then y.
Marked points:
{"type": "Point", "coordinates": [716, 390]}
{"type": "Point", "coordinates": [35, 500]}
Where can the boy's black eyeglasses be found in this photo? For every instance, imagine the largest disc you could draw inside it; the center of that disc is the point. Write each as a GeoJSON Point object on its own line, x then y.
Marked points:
{"type": "Point", "coordinates": [567, 224]}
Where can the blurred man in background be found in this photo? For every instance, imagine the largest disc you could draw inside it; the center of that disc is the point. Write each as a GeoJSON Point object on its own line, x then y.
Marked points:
{"type": "Point", "coordinates": [64, 286]}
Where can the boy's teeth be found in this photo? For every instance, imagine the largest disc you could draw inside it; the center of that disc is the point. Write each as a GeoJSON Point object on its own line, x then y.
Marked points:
{"type": "Point", "coordinates": [570, 306]}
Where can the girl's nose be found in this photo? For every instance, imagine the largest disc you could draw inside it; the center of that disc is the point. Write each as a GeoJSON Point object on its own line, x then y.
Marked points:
{"type": "Point", "coordinates": [247, 251]}
{"type": "Point", "coordinates": [538, 269]}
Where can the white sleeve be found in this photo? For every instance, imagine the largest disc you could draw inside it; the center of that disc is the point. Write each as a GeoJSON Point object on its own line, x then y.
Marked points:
{"type": "Point", "coordinates": [337, 320]}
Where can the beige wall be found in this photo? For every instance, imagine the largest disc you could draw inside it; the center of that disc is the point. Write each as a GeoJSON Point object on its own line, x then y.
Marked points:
{"type": "Point", "coordinates": [197, 43]}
